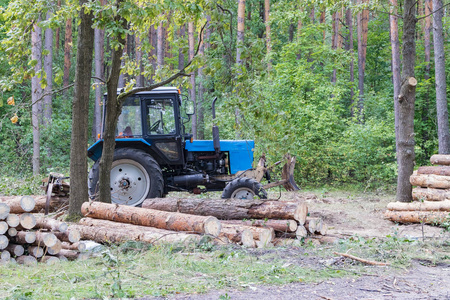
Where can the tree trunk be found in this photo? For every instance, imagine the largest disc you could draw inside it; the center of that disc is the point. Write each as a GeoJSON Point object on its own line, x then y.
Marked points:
{"type": "Point", "coordinates": [441, 86]}
{"type": "Point", "coordinates": [425, 217]}
{"type": "Point", "coordinates": [99, 73]}
{"type": "Point", "coordinates": [349, 48]}
{"type": "Point", "coordinates": [67, 53]}
{"type": "Point", "coordinates": [229, 209]}
{"type": "Point", "coordinates": [240, 31]}
{"type": "Point", "coordinates": [200, 99]}
{"type": "Point", "coordinates": [182, 34]}
{"type": "Point", "coordinates": [437, 170]}
{"type": "Point", "coordinates": [440, 159]}
{"type": "Point", "coordinates": [363, 21]}
{"type": "Point", "coordinates": [48, 68]}
{"type": "Point", "coordinates": [152, 218]}
{"type": "Point", "coordinates": [406, 100]}
{"type": "Point", "coordinates": [51, 224]}
{"type": "Point", "coordinates": [277, 225]}
{"type": "Point", "coordinates": [264, 235]}
{"type": "Point", "coordinates": [430, 194]}
{"type": "Point", "coordinates": [430, 180]}
{"type": "Point", "coordinates": [36, 94]}
{"type": "Point", "coordinates": [160, 46]}
{"type": "Point", "coordinates": [138, 49]}
{"type": "Point", "coordinates": [243, 237]}
{"type": "Point", "coordinates": [192, 76]}
{"type": "Point", "coordinates": [427, 28]}
{"type": "Point", "coordinates": [322, 21]}
{"type": "Point", "coordinates": [420, 206]}
{"type": "Point", "coordinates": [80, 113]}
{"type": "Point", "coordinates": [100, 232]}
{"type": "Point", "coordinates": [395, 46]}
{"type": "Point", "coordinates": [268, 38]}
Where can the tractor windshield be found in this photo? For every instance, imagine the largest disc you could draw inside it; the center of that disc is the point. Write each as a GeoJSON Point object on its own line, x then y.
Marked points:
{"type": "Point", "coordinates": [160, 116]}
{"type": "Point", "coordinates": [129, 124]}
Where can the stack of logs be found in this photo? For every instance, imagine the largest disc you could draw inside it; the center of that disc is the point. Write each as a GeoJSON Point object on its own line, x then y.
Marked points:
{"type": "Point", "coordinates": [252, 223]}
{"type": "Point", "coordinates": [26, 237]}
{"type": "Point", "coordinates": [431, 195]}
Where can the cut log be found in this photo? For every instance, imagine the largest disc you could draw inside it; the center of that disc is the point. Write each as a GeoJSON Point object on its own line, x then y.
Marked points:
{"type": "Point", "coordinates": [440, 159]}
{"type": "Point", "coordinates": [242, 237]}
{"type": "Point", "coordinates": [36, 251]}
{"type": "Point", "coordinates": [27, 203]}
{"type": "Point", "coordinates": [25, 237]}
{"type": "Point", "coordinates": [27, 220]}
{"type": "Point", "coordinates": [51, 224]}
{"type": "Point", "coordinates": [80, 246]}
{"type": "Point", "coordinates": [14, 202]}
{"type": "Point", "coordinates": [12, 232]}
{"type": "Point", "coordinates": [4, 241]}
{"type": "Point", "coordinates": [299, 234]}
{"type": "Point", "coordinates": [436, 170]}
{"type": "Point", "coordinates": [231, 209]}
{"type": "Point", "coordinates": [152, 218]}
{"type": "Point", "coordinates": [100, 232]}
{"type": "Point", "coordinates": [71, 235]}
{"type": "Point", "coordinates": [313, 225]}
{"type": "Point", "coordinates": [5, 256]}
{"type": "Point", "coordinates": [430, 180]}
{"type": "Point", "coordinates": [15, 249]}
{"type": "Point", "coordinates": [13, 220]}
{"type": "Point", "coordinates": [323, 230]}
{"type": "Point", "coordinates": [426, 217]}
{"type": "Point", "coordinates": [301, 213]}
{"type": "Point", "coordinates": [420, 206]}
{"type": "Point", "coordinates": [265, 235]}
{"type": "Point", "coordinates": [430, 194]}
{"type": "Point", "coordinates": [55, 249]}
{"type": "Point", "coordinates": [4, 211]}
{"type": "Point", "coordinates": [277, 225]}
{"type": "Point", "coordinates": [46, 238]}
{"type": "Point", "coordinates": [50, 260]}
{"type": "Point", "coordinates": [27, 260]}
{"type": "Point", "coordinates": [69, 254]}
{"type": "Point", "coordinates": [3, 227]}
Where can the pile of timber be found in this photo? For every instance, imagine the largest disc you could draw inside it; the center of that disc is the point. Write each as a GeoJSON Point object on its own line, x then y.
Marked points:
{"type": "Point", "coordinates": [28, 238]}
{"type": "Point", "coordinates": [251, 223]}
{"type": "Point", "coordinates": [431, 195]}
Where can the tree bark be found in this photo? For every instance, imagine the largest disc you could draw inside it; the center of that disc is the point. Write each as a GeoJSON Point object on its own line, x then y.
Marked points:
{"type": "Point", "coordinates": [36, 94]}
{"type": "Point", "coordinates": [420, 206]}
{"type": "Point", "coordinates": [233, 234]}
{"type": "Point", "coordinates": [67, 53]}
{"type": "Point", "coordinates": [200, 99]}
{"type": "Point", "coordinates": [232, 208]}
{"type": "Point", "coordinates": [80, 113]}
{"type": "Point", "coordinates": [51, 224]}
{"type": "Point", "coordinates": [16, 207]}
{"type": "Point", "coordinates": [363, 21]}
{"type": "Point", "coordinates": [99, 73]}
{"type": "Point", "coordinates": [138, 50]}
{"type": "Point", "coordinates": [192, 76]}
{"type": "Point", "coordinates": [48, 68]}
{"type": "Point", "coordinates": [160, 46]}
{"type": "Point", "coordinates": [437, 170]}
{"type": "Point", "coordinates": [349, 48]}
{"type": "Point", "coordinates": [277, 225]}
{"type": "Point", "coordinates": [440, 79]}
{"type": "Point", "coordinates": [100, 231]}
{"type": "Point", "coordinates": [268, 37]}
{"type": "Point", "coordinates": [440, 159]}
{"type": "Point", "coordinates": [425, 217]}
{"type": "Point", "coordinates": [430, 194]}
{"type": "Point", "coordinates": [396, 81]}
{"type": "Point", "coordinates": [430, 180]}
{"type": "Point", "coordinates": [152, 218]}
{"type": "Point", "coordinates": [240, 31]}
{"type": "Point", "coordinates": [406, 101]}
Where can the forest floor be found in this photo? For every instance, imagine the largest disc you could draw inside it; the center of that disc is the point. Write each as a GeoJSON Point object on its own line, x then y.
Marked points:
{"type": "Point", "coordinates": [419, 256]}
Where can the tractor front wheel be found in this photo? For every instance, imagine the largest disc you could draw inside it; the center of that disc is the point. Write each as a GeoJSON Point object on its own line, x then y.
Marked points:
{"type": "Point", "coordinates": [135, 176]}
{"type": "Point", "coordinates": [244, 188]}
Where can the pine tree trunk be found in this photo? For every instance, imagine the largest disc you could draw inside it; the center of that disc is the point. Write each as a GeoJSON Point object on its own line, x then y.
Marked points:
{"type": "Point", "coordinates": [67, 53]}
{"type": "Point", "coordinates": [200, 99]}
{"type": "Point", "coordinates": [441, 86]}
{"type": "Point", "coordinates": [80, 113]}
{"type": "Point", "coordinates": [349, 48]}
{"type": "Point", "coordinates": [138, 50]}
{"type": "Point", "coordinates": [99, 73]}
{"type": "Point", "coordinates": [395, 46]}
{"type": "Point", "coordinates": [181, 35]}
{"type": "Point", "coordinates": [427, 28]}
{"type": "Point", "coordinates": [406, 101]}
{"type": "Point", "coordinates": [48, 68]}
{"type": "Point", "coordinates": [160, 46]}
{"type": "Point", "coordinates": [36, 94]}
{"type": "Point", "coordinates": [268, 38]}
{"type": "Point", "coordinates": [363, 21]}
{"type": "Point", "coordinates": [240, 31]}
{"type": "Point", "coordinates": [192, 77]}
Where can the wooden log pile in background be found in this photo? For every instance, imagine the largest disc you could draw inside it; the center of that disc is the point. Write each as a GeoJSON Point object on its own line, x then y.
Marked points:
{"type": "Point", "coordinates": [29, 238]}
{"type": "Point", "coordinates": [431, 195]}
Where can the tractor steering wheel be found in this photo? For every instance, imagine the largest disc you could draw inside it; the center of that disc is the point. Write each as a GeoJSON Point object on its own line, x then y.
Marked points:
{"type": "Point", "coordinates": [155, 125]}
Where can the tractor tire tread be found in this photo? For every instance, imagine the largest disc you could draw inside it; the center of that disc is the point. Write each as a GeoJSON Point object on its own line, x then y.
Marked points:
{"type": "Point", "coordinates": [244, 182]}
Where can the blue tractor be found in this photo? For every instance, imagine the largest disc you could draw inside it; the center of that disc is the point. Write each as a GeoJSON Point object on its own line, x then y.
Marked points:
{"type": "Point", "coordinates": [154, 155]}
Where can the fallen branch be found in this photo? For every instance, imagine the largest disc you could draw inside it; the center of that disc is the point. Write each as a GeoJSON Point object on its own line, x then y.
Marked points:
{"type": "Point", "coordinates": [365, 261]}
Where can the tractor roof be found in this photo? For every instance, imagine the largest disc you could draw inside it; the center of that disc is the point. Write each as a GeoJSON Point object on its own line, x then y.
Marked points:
{"type": "Point", "coordinates": [158, 90]}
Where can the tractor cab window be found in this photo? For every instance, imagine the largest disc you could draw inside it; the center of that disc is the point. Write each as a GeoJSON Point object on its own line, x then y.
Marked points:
{"type": "Point", "coordinates": [160, 116]}
{"type": "Point", "coordinates": [130, 124]}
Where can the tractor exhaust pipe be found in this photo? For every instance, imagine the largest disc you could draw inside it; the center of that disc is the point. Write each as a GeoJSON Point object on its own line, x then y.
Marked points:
{"type": "Point", "coordinates": [215, 129]}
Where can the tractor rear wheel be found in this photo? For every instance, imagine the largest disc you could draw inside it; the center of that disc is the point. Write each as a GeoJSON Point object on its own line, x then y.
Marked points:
{"type": "Point", "coordinates": [244, 188]}
{"type": "Point", "coordinates": [135, 176]}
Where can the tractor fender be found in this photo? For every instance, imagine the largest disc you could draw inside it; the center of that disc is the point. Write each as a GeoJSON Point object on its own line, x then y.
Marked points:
{"type": "Point", "coordinates": [94, 152]}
